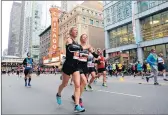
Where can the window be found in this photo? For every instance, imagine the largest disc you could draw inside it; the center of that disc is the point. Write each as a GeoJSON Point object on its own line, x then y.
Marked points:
{"type": "Point", "coordinates": [91, 21]}
{"type": "Point", "coordinates": [84, 19]}
{"type": "Point", "coordinates": [83, 10]}
{"type": "Point", "coordinates": [67, 25]}
{"type": "Point", "coordinates": [95, 14]}
{"type": "Point", "coordinates": [97, 23]}
{"type": "Point", "coordinates": [75, 20]}
{"type": "Point", "coordinates": [142, 6]}
{"type": "Point", "coordinates": [88, 11]}
{"type": "Point", "coordinates": [155, 26]}
{"type": "Point", "coordinates": [121, 36]}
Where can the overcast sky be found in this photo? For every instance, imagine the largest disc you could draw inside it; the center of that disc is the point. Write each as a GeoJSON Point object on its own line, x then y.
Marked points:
{"type": "Point", "coordinates": [6, 9]}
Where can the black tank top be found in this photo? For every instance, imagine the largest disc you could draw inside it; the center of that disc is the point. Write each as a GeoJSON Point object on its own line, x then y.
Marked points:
{"type": "Point", "coordinates": [70, 55]}
{"type": "Point", "coordinates": [83, 59]}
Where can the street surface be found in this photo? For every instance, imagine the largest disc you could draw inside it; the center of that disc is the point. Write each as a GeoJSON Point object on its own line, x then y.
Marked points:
{"type": "Point", "coordinates": [120, 97]}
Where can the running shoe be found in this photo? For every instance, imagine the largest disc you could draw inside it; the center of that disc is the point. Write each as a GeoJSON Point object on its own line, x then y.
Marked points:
{"type": "Point", "coordinates": [85, 89]}
{"type": "Point", "coordinates": [165, 79]}
{"type": "Point", "coordinates": [90, 87]}
{"type": "Point", "coordinates": [147, 79]}
{"type": "Point", "coordinates": [156, 83]}
{"type": "Point", "coordinates": [81, 102]}
{"type": "Point", "coordinates": [25, 84]}
{"type": "Point", "coordinates": [104, 84]}
{"type": "Point", "coordinates": [59, 101]}
{"type": "Point", "coordinates": [78, 108]}
{"type": "Point", "coordinates": [29, 84]}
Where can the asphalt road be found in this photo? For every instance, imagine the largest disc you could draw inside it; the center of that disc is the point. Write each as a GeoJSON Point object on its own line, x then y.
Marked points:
{"type": "Point", "coordinates": [120, 97]}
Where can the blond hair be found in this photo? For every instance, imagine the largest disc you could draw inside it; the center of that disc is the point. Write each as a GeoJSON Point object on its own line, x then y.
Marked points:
{"type": "Point", "coordinates": [71, 29]}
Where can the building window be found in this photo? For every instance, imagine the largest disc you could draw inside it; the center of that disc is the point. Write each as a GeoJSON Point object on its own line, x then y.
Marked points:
{"type": "Point", "coordinates": [91, 21]}
{"type": "Point", "coordinates": [95, 14]}
{"type": "Point", "coordinates": [88, 11]}
{"type": "Point", "coordinates": [92, 12]}
{"type": "Point", "coordinates": [84, 19]}
{"type": "Point", "coordinates": [97, 23]}
{"type": "Point", "coordinates": [83, 10]}
{"type": "Point", "coordinates": [121, 36]}
{"type": "Point", "coordinates": [155, 26]}
{"type": "Point", "coordinates": [67, 25]}
{"type": "Point", "coordinates": [75, 20]}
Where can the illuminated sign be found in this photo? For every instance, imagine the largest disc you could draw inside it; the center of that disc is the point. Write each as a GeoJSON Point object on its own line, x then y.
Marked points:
{"type": "Point", "coordinates": [54, 30]}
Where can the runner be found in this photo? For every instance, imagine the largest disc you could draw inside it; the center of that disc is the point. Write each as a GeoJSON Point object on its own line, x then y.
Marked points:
{"type": "Point", "coordinates": [101, 67]}
{"type": "Point", "coordinates": [92, 69]}
{"type": "Point", "coordinates": [161, 66]}
{"type": "Point", "coordinates": [28, 65]}
{"type": "Point", "coordinates": [70, 67]}
{"type": "Point", "coordinates": [86, 48]}
{"type": "Point", "coordinates": [152, 60]}
{"type": "Point", "coordinates": [139, 69]}
{"type": "Point", "coordinates": [18, 71]}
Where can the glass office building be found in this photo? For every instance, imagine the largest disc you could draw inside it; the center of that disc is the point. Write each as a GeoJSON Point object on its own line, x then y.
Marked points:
{"type": "Point", "coordinates": [150, 22]}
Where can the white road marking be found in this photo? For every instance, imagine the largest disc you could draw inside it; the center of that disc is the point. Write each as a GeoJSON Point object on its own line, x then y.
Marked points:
{"type": "Point", "coordinates": [119, 93]}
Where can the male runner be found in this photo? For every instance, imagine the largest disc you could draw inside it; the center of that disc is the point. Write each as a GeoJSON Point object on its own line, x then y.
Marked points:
{"type": "Point", "coordinates": [28, 65]}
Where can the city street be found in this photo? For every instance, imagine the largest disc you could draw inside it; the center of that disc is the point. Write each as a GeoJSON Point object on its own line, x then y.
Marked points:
{"type": "Point", "coordinates": [120, 97]}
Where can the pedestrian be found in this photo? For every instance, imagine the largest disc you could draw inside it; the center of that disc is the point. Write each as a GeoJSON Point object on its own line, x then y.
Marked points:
{"type": "Point", "coordinates": [161, 66]}
{"type": "Point", "coordinates": [152, 60]}
{"type": "Point", "coordinates": [28, 65]}
{"type": "Point", "coordinates": [18, 71]}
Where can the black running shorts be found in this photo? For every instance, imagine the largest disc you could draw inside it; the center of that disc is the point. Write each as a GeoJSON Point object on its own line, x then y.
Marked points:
{"type": "Point", "coordinates": [70, 67]}
{"type": "Point", "coordinates": [27, 71]}
{"type": "Point", "coordinates": [17, 72]}
{"type": "Point", "coordinates": [101, 70]}
{"type": "Point", "coordinates": [83, 69]}
{"type": "Point", "coordinates": [161, 67]}
{"type": "Point", "coordinates": [91, 69]}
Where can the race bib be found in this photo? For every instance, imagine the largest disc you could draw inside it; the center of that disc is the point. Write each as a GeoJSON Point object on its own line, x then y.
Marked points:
{"type": "Point", "coordinates": [29, 65]}
{"type": "Point", "coordinates": [90, 64]}
{"type": "Point", "coordinates": [83, 59]}
{"type": "Point", "coordinates": [76, 55]}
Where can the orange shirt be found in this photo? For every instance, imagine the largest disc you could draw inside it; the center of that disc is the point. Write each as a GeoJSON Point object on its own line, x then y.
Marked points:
{"type": "Point", "coordinates": [102, 62]}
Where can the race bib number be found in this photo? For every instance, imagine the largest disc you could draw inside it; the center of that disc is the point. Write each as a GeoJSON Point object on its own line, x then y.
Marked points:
{"type": "Point", "coordinates": [83, 59]}
{"type": "Point", "coordinates": [76, 55]}
{"type": "Point", "coordinates": [90, 65]}
{"type": "Point", "coordinates": [29, 65]}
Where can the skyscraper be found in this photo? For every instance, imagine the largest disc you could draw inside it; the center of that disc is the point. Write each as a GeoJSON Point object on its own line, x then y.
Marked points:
{"type": "Point", "coordinates": [21, 37]}
{"type": "Point", "coordinates": [34, 46]}
{"type": "Point", "coordinates": [14, 29]}
{"type": "Point", "coordinates": [32, 28]}
{"type": "Point", "coordinates": [67, 6]}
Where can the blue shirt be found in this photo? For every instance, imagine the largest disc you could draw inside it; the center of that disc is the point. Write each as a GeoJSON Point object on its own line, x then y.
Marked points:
{"type": "Point", "coordinates": [29, 63]}
{"type": "Point", "coordinates": [152, 59]}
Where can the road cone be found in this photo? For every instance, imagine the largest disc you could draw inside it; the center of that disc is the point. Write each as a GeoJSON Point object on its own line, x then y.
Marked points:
{"type": "Point", "coordinates": [121, 79]}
